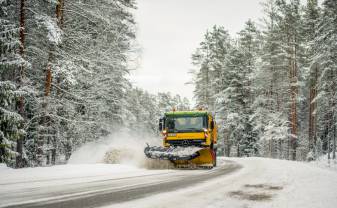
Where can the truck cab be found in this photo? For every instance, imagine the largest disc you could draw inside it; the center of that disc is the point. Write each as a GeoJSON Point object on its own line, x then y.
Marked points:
{"type": "Point", "coordinates": [188, 128]}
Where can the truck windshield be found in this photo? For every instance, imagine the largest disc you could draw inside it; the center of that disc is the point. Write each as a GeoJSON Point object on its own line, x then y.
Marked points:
{"type": "Point", "coordinates": [186, 124]}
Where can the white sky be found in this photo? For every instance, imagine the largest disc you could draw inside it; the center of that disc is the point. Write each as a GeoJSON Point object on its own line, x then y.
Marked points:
{"type": "Point", "coordinates": [169, 31]}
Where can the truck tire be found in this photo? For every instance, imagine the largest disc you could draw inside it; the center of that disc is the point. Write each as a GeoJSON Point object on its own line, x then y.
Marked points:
{"type": "Point", "coordinates": [214, 162]}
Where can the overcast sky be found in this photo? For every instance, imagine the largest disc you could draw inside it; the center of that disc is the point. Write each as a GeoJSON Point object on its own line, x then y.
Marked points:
{"type": "Point", "coordinates": [170, 30]}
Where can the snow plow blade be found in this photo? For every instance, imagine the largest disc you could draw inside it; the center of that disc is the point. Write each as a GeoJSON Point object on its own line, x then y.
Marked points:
{"type": "Point", "coordinates": [172, 153]}
{"type": "Point", "coordinates": [183, 156]}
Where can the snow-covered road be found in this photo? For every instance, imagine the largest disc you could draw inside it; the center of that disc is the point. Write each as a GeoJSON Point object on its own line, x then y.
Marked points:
{"type": "Point", "coordinates": [94, 185]}
{"type": "Point", "coordinates": [249, 182]}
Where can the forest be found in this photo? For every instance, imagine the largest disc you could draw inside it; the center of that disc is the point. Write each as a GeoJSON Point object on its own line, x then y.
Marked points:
{"type": "Point", "coordinates": [63, 78]}
{"type": "Point", "coordinates": [64, 67]}
{"type": "Point", "coordinates": [273, 86]}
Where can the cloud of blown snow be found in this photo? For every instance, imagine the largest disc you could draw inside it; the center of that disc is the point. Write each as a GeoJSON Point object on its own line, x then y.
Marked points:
{"type": "Point", "coordinates": [117, 148]}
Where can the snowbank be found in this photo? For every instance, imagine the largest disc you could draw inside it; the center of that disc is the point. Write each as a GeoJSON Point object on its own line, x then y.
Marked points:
{"type": "Point", "coordinates": [261, 183]}
{"type": "Point", "coordinates": [64, 172]}
{"type": "Point", "coordinates": [3, 166]}
{"type": "Point", "coordinates": [324, 162]}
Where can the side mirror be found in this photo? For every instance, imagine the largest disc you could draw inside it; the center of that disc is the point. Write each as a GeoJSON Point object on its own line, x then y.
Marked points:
{"type": "Point", "coordinates": [212, 124]}
{"type": "Point", "coordinates": [170, 124]}
{"type": "Point", "coordinates": [160, 124]}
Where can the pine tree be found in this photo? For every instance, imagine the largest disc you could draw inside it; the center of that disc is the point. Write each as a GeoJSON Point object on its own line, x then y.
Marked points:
{"type": "Point", "coordinates": [209, 59]}
{"type": "Point", "coordinates": [249, 45]}
{"type": "Point", "coordinates": [11, 123]}
{"type": "Point", "coordinates": [290, 25]}
{"type": "Point", "coordinates": [325, 45]}
{"type": "Point", "coordinates": [269, 117]}
{"type": "Point", "coordinates": [310, 26]}
{"type": "Point", "coordinates": [235, 100]}
{"type": "Point", "coordinates": [73, 68]}
{"type": "Point", "coordinates": [12, 91]}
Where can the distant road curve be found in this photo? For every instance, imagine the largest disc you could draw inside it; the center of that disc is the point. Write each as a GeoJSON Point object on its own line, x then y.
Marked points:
{"type": "Point", "coordinates": [111, 191]}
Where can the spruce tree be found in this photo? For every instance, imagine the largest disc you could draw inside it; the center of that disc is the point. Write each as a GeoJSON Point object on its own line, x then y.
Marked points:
{"type": "Point", "coordinates": [326, 47]}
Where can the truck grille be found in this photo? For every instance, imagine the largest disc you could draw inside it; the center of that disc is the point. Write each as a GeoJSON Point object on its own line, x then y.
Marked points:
{"type": "Point", "coordinates": [186, 142]}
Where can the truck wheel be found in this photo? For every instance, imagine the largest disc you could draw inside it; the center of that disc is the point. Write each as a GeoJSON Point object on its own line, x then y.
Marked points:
{"type": "Point", "coordinates": [214, 162]}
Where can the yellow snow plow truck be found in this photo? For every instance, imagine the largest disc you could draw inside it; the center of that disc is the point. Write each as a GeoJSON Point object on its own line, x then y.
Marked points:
{"type": "Point", "coordinates": [189, 139]}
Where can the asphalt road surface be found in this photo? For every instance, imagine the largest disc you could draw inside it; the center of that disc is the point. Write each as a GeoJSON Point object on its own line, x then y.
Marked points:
{"type": "Point", "coordinates": [111, 191]}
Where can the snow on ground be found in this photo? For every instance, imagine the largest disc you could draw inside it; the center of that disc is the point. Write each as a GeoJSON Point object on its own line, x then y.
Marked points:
{"type": "Point", "coordinates": [115, 156]}
{"type": "Point", "coordinates": [324, 162]}
{"type": "Point", "coordinates": [260, 183]}
{"type": "Point", "coordinates": [67, 173]}
{"type": "Point", "coordinates": [3, 166]}
{"type": "Point", "coordinates": [15, 180]}
{"type": "Point", "coordinates": [53, 183]}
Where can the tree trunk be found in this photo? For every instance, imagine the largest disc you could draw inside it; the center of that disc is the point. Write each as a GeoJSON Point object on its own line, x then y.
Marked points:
{"type": "Point", "coordinates": [313, 107]}
{"type": "Point", "coordinates": [270, 149]}
{"type": "Point", "coordinates": [333, 125]}
{"type": "Point", "coordinates": [334, 142]}
{"type": "Point", "coordinates": [49, 79]}
{"type": "Point", "coordinates": [19, 143]}
{"type": "Point", "coordinates": [292, 41]}
{"type": "Point", "coordinates": [310, 133]}
{"type": "Point", "coordinates": [315, 104]}
{"type": "Point", "coordinates": [329, 148]}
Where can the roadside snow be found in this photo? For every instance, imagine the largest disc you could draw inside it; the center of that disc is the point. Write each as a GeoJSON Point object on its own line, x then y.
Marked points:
{"type": "Point", "coordinates": [85, 164]}
{"type": "Point", "coordinates": [3, 166]}
{"type": "Point", "coordinates": [112, 158]}
{"type": "Point", "coordinates": [260, 183]}
{"type": "Point", "coordinates": [9, 175]}
{"type": "Point", "coordinates": [19, 179]}
{"type": "Point", "coordinates": [324, 162]}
